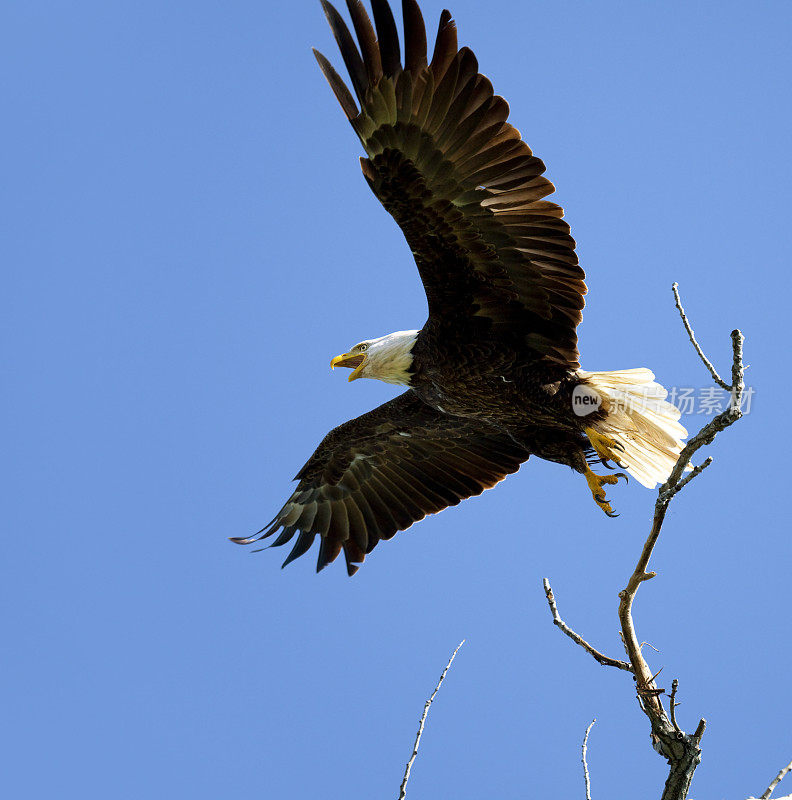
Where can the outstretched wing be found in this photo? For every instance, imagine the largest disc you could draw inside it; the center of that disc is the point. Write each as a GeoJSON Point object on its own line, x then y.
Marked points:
{"type": "Point", "coordinates": [465, 189]}
{"type": "Point", "coordinates": [377, 474]}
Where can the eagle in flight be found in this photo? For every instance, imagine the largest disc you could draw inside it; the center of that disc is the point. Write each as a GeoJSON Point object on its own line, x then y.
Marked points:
{"type": "Point", "coordinates": [493, 376]}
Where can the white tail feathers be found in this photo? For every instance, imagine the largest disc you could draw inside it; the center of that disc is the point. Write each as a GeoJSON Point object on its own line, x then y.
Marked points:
{"type": "Point", "coordinates": [641, 420]}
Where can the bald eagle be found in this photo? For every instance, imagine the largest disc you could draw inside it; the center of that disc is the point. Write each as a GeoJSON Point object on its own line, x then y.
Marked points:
{"type": "Point", "coordinates": [494, 375]}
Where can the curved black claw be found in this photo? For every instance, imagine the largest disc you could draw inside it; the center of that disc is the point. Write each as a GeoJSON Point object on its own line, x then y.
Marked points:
{"type": "Point", "coordinates": [611, 514]}
{"type": "Point", "coordinates": [622, 475]}
{"type": "Point", "coordinates": [611, 463]}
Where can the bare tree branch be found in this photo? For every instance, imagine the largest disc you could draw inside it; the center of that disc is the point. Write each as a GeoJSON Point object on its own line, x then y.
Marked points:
{"type": "Point", "coordinates": [785, 797]}
{"type": "Point", "coordinates": [707, 363]}
{"type": "Point", "coordinates": [427, 705]}
{"type": "Point", "coordinates": [680, 749]}
{"type": "Point", "coordinates": [771, 788]}
{"type": "Point", "coordinates": [583, 759]}
{"type": "Point", "coordinates": [672, 704]}
{"type": "Point", "coordinates": [693, 473]}
{"type": "Point", "coordinates": [600, 658]}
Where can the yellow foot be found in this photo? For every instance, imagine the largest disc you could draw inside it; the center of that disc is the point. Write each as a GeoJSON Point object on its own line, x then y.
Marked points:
{"type": "Point", "coordinates": [606, 448]}
{"type": "Point", "coordinates": [596, 482]}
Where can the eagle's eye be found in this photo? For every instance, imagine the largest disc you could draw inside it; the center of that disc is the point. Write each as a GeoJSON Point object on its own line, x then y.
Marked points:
{"type": "Point", "coordinates": [362, 347]}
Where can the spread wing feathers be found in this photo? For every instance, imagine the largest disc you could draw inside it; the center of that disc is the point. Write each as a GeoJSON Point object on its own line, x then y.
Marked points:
{"type": "Point", "coordinates": [383, 471]}
{"type": "Point", "coordinates": [465, 189]}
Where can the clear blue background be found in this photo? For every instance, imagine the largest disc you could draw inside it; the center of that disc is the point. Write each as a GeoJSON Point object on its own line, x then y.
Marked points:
{"type": "Point", "coordinates": [188, 240]}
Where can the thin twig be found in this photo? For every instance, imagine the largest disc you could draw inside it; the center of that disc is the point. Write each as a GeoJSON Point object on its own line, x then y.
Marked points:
{"type": "Point", "coordinates": [707, 363]}
{"type": "Point", "coordinates": [778, 778]}
{"type": "Point", "coordinates": [672, 704]}
{"type": "Point", "coordinates": [688, 478]}
{"type": "Point", "coordinates": [583, 759]}
{"type": "Point", "coordinates": [427, 705]}
{"type": "Point", "coordinates": [655, 676]}
{"type": "Point", "coordinates": [600, 658]}
{"type": "Point", "coordinates": [785, 797]}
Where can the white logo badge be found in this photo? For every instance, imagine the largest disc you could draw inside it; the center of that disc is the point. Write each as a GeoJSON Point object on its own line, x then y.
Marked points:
{"type": "Point", "coordinates": [585, 400]}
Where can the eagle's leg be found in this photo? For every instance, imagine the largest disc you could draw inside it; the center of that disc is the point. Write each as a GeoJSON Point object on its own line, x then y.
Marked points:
{"type": "Point", "coordinates": [567, 447]}
{"type": "Point", "coordinates": [605, 447]}
{"type": "Point", "coordinates": [596, 482]}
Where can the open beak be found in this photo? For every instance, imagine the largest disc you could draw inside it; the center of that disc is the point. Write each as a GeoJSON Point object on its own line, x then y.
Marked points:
{"type": "Point", "coordinates": [353, 360]}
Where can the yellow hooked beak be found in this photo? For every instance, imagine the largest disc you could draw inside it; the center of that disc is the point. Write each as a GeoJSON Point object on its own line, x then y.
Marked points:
{"type": "Point", "coordinates": [353, 360]}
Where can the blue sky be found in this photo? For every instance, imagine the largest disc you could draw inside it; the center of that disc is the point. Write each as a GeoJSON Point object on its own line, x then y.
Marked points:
{"type": "Point", "coordinates": [189, 240]}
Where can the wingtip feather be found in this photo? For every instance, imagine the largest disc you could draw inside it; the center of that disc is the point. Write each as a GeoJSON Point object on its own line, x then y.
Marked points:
{"type": "Point", "coordinates": [340, 90]}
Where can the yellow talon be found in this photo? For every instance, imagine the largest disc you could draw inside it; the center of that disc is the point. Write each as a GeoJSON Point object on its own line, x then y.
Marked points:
{"type": "Point", "coordinates": [596, 482]}
{"type": "Point", "coordinates": [606, 448]}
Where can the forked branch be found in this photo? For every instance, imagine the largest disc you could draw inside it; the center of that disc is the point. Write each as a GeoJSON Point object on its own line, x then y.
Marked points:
{"type": "Point", "coordinates": [680, 749]}
{"type": "Point", "coordinates": [600, 658]}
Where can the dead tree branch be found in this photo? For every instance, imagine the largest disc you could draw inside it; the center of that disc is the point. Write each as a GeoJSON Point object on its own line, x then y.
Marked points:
{"type": "Point", "coordinates": [707, 363]}
{"type": "Point", "coordinates": [427, 705]}
{"type": "Point", "coordinates": [672, 704]}
{"type": "Point", "coordinates": [583, 759]}
{"type": "Point", "coordinates": [680, 749]}
{"type": "Point", "coordinates": [771, 788]}
{"type": "Point", "coordinates": [600, 658]}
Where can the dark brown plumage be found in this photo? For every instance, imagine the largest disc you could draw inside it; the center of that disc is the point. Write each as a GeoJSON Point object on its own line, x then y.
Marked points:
{"type": "Point", "coordinates": [493, 370]}
{"type": "Point", "coordinates": [379, 473]}
{"type": "Point", "coordinates": [459, 181]}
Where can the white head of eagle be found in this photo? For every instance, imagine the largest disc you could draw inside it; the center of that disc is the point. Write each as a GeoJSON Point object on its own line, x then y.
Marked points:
{"type": "Point", "coordinates": [388, 358]}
